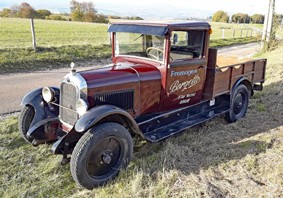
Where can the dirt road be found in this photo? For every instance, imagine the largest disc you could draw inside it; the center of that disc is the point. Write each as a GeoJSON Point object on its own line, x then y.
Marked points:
{"type": "Point", "coordinates": [14, 86]}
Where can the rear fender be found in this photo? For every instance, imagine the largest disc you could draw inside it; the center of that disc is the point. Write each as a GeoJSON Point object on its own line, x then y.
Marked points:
{"type": "Point", "coordinates": [44, 112]}
{"type": "Point", "coordinates": [246, 82]}
{"type": "Point", "coordinates": [100, 113]}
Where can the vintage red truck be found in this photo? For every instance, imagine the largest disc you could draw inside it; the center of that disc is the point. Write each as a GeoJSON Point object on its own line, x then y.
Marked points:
{"type": "Point", "coordinates": [163, 79]}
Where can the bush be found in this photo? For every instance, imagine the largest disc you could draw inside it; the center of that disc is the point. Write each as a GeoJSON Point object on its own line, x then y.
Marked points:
{"type": "Point", "coordinates": [55, 17]}
{"type": "Point", "coordinates": [42, 14]}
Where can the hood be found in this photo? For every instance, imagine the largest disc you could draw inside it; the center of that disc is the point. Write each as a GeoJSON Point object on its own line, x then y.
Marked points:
{"type": "Point", "coordinates": [122, 73]}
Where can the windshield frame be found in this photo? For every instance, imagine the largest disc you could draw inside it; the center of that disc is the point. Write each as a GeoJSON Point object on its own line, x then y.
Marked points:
{"type": "Point", "coordinates": [114, 42]}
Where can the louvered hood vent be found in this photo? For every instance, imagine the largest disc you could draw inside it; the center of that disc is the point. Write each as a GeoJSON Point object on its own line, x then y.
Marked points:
{"type": "Point", "coordinates": [123, 99]}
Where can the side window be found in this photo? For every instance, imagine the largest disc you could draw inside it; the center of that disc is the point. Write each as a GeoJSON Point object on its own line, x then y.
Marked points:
{"type": "Point", "coordinates": [186, 44]}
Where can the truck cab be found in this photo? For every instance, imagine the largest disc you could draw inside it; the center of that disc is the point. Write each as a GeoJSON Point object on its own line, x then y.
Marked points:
{"type": "Point", "coordinates": [163, 79]}
{"type": "Point", "coordinates": [178, 50]}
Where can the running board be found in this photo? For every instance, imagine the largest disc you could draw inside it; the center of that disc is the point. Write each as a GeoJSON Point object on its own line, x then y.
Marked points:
{"type": "Point", "coordinates": [183, 124]}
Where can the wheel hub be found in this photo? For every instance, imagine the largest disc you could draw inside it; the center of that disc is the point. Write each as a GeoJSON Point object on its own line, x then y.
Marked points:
{"type": "Point", "coordinates": [238, 104]}
{"type": "Point", "coordinates": [106, 157]}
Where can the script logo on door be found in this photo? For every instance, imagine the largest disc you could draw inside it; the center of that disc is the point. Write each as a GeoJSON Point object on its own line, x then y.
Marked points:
{"type": "Point", "coordinates": [183, 85]}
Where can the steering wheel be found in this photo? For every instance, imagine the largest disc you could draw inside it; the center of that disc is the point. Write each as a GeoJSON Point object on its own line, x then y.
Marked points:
{"type": "Point", "coordinates": [158, 53]}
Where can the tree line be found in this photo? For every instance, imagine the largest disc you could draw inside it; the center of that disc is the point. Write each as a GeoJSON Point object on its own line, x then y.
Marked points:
{"type": "Point", "coordinates": [221, 16]}
{"type": "Point", "coordinates": [80, 11]}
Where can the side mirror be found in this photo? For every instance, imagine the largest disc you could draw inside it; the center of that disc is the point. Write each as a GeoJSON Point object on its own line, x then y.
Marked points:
{"type": "Point", "coordinates": [175, 38]}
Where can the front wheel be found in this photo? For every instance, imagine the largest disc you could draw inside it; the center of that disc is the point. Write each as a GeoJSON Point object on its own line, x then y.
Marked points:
{"type": "Point", "coordinates": [100, 154]}
{"type": "Point", "coordinates": [25, 120]}
{"type": "Point", "coordinates": [239, 104]}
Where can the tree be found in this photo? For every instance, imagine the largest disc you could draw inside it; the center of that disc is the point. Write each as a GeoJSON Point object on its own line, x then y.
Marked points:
{"type": "Point", "coordinates": [220, 16]}
{"type": "Point", "coordinates": [89, 17]}
{"type": "Point", "coordinates": [42, 14]}
{"type": "Point", "coordinates": [257, 18]}
{"type": "Point", "coordinates": [241, 18]}
{"type": "Point", "coordinates": [26, 11]}
{"type": "Point", "coordinates": [224, 19]}
{"type": "Point", "coordinates": [5, 12]}
{"type": "Point", "coordinates": [86, 11]}
{"type": "Point", "coordinates": [15, 11]}
{"type": "Point", "coordinates": [76, 11]}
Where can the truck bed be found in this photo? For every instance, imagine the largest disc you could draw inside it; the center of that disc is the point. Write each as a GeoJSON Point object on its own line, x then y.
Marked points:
{"type": "Point", "coordinates": [220, 80]}
{"type": "Point", "coordinates": [223, 61]}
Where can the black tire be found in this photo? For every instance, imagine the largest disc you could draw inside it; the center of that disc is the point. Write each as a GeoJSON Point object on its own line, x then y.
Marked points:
{"type": "Point", "coordinates": [239, 104]}
{"type": "Point", "coordinates": [25, 120]}
{"type": "Point", "coordinates": [100, 154]}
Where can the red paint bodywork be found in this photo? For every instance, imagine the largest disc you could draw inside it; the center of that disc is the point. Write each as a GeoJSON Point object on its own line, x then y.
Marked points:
{"type": "Point", "coordinates": [149, 79]}
{"type": "Point", "coordinates": [143, 78]}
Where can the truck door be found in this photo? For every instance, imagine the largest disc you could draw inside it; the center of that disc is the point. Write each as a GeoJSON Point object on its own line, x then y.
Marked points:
{"type": "Point", "coordinates": [187, 69]}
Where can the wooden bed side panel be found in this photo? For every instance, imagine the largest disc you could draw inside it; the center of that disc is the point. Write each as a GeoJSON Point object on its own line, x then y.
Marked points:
{"type": "Point", "coordinates": [222, 81]}
{"type": "Point", "coordinates": [226, 77]}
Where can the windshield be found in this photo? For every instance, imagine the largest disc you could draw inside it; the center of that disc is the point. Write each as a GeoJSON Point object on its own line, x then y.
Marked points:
{"type": "Point", "coordinates": [140, 45]}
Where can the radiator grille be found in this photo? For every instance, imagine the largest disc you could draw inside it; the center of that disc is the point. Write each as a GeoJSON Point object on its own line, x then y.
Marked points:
{"type": "Point", "coordinates": [69, 95]}
{"type": "Point", "coordinates": [123, 99]}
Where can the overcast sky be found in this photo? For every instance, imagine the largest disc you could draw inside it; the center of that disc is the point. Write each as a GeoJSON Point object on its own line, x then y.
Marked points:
{"type": "Point", "coordinates": [230, 6]}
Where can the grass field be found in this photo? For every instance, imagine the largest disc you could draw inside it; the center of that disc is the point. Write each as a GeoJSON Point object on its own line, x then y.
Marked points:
{"type": "Point", "coordinates": [215, 159]}
{"type": "Point", "coordinates": [16, 33]}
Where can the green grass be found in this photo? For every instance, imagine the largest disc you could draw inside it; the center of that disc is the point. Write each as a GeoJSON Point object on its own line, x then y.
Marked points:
{"type": "Point", "coordinates": [214, 159]}
{"type": "Point", "coordinates": [231, 41]}
{"type": "Point", "coordinates": [23, 60]}
{"type": "Point", "coordinates": [16, 33]}
{"type": "Point", "coordinates": [229, 30]}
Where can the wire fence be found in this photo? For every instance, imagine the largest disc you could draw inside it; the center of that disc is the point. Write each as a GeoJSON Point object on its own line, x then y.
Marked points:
{"type": "Point", "coordinates": [17, 33]}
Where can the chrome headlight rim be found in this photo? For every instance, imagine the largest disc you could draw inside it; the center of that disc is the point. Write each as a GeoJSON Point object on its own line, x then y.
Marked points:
{"type": "Point", "coordinates": [47, 94]}
{"type": "Point", "coordinates": [81, 107]}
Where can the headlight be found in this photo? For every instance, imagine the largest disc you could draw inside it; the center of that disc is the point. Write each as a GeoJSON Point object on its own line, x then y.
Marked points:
{"type": "Point", "coordinates": [81, 107]}
{"type": "Point", "coordinates": [47, 94]}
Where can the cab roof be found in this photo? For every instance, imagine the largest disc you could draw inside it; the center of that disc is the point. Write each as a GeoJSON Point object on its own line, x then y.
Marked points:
{"type": "Point", "coordinates": [157, 28]}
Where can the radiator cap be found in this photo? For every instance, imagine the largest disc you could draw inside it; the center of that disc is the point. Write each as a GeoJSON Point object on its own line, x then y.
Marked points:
{"type": "Point", "coordinates": [73, 70]}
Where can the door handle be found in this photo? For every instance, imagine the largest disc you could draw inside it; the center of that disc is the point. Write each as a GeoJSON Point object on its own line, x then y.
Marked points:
{"type": "Point", "coordinates": [201, 67]}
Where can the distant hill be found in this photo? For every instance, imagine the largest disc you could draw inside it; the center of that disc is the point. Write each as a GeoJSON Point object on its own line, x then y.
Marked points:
{"type": "Point", "coordinates": [154, 11]}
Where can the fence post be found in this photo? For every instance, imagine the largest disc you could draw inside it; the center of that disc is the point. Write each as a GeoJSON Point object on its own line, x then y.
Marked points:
{"type": "Point", "coordinates": [252, 32]}
{"type": "Point", "coordinates": [223, 33]}
{"type": "Point", "coordinates": [234, 32]}
{"type": "Point", "coordinates": [241, 32]}
{"type": "Point", "coordinates": [33, 34]}
{"type": "Point", "coordinates": [247, 33]}
{"type": "Point", "coordinates": [109, 35]}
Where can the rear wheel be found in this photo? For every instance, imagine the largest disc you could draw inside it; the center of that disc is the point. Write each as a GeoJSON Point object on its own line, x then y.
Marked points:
{"type": "Point", "coordinates": [100, 154]}
{"type": "Point", "coordinates": [239, 104]}
{"type": "Point", "coordinates": [25, 120]}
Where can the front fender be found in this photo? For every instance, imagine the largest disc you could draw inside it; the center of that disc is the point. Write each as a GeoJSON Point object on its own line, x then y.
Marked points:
{"type": "Point", "coordinates": [96, 114]}
{"type": "Point", "coordinates": [44, 112]}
